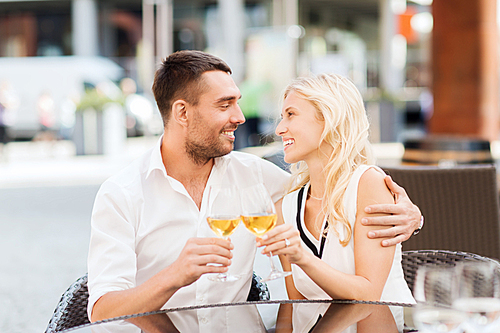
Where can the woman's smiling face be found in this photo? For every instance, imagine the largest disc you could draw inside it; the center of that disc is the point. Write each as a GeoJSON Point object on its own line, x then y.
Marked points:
{"type": "Point", "coordinates": [299, 128]}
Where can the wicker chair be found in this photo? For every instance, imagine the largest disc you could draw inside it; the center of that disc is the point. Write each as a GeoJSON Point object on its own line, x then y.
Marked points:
{"type": "Point", "coordinates": [71, 310]}
{"type": "Point", "coordinates": [460, 205]}
{"type": "Point", "coordinates": [412, 260]}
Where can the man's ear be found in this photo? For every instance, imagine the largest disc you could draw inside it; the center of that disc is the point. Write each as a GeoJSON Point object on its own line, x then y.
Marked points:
{"type": "Point", "coordinates": [179, 112]}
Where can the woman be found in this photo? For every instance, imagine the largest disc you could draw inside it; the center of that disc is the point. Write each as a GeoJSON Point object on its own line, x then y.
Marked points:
{"type": "Point", "coordinates": [320, 238]}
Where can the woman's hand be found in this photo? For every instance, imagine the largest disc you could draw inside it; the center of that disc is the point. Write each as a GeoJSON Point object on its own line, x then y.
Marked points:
{"type": "Point", "coordinates": [283, 240]}
{"type": "Point", "coordinates": [405, 218]}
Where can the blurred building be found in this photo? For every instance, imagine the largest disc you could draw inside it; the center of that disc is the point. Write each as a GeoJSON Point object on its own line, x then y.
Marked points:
{"type": "Point", "coordinates": [382, 45]}
{"type": "Point", "coordinates": [116, 29]}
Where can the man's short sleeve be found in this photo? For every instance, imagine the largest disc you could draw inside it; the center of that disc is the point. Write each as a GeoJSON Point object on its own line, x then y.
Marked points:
{"type": "Point", "coordinates": [112, 259]}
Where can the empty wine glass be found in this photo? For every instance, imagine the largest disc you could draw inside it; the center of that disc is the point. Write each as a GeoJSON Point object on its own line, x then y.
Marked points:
{"type": "Point", "coordinates": [478, 295]}
{"type": "Point", "coordinates": [259, 216]}
{"type": "Point", "coordinates": [434, 292]}
{"type": "Point", "coordinates": [223, 217]}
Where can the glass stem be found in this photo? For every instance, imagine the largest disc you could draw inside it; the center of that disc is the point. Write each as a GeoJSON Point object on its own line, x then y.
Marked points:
{"type": "Point", "coordinates": [273, 268]}
{"type": "Point", "coordinates": [223, 275]}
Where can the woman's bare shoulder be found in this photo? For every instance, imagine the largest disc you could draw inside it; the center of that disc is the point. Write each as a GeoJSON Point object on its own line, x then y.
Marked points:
{"type": "Point", "coordinates": [372, 187]}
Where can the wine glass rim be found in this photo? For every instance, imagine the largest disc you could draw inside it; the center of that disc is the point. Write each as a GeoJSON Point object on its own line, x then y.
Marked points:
{"type": "Point", "coordinates": [477, 263]}
{"type": "Point", "coordinates": [438, 268]}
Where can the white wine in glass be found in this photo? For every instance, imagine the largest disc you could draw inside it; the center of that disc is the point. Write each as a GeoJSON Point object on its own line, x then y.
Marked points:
{"type": "Point", "coordinates": [223, 217]}
{"type": "Point", "coordinates": [223, 225]}
{"type": "Point", "coordinates": [259, 224]}
{"type": "Point", "coordinates": [259, 216]}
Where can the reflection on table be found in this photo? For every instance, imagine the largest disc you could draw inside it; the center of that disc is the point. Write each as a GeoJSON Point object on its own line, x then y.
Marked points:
{"type": "Point", "coordinates": [341, 316]}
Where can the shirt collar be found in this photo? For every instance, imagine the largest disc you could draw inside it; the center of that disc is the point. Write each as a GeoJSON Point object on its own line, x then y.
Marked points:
{"type": "Point", "coordinates": [222, 162]}
{"type": "Point", "coordinates": [156, 161]}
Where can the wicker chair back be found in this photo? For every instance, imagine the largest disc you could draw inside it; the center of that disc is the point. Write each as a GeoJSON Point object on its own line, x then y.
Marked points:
{"type": "Point", "coordinates": [460, 206]}
{"type": "Point", "coordinates": [71, 310]}
{"type": "Point", "coordinates": [412, 260]}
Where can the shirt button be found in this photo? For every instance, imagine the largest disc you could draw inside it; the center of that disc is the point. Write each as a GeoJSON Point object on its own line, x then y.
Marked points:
{"type": "Point", "coordinates": [202, 299]}
{"type": "Point", "coordinates": [203, 320]}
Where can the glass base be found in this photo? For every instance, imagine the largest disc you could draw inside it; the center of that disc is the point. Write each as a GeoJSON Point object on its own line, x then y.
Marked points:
{"type": "Point", "coordinates": [276, 275]}
{"type": "Point", "coordinates": [224, 278]}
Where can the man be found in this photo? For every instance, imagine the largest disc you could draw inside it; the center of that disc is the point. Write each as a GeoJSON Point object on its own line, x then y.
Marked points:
{"type": "Point", "coordinates": [150, 243]}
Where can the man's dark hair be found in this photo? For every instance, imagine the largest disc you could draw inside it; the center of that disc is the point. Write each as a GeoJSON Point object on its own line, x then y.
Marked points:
{"type": "Point", "coordinates": [179, 77]}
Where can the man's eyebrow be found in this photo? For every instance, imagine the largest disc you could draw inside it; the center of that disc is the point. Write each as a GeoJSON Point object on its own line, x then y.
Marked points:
{"type": "Point", "coordinates": [227, 98]}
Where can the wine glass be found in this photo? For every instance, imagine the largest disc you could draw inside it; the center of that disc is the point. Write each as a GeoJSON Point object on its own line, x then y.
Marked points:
{"type": "Point", "coordinates": [259, 216]}
{"type": "Point", "coordinates": [434, 292]}
{"type": "Point", "coordinates": [478, 295]}
{"type": "Point", "coordinates": [223, 217]}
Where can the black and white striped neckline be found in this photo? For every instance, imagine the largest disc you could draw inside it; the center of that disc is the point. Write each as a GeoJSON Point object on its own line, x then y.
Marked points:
{"type": "Point", "coordinates": [303, 235]}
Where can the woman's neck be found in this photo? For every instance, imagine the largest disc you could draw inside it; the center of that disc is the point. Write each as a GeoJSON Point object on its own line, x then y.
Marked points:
{"type": "Point", "coordinates": [317, 180]}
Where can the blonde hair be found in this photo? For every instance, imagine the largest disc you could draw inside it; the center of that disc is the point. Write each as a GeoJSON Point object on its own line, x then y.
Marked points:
{"type": "Point", "coordinates": [340, 105]}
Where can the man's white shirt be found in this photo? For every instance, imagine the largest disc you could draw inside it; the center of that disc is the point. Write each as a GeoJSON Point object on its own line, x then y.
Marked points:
{"type": "Point", "coordinates": [141, 221]}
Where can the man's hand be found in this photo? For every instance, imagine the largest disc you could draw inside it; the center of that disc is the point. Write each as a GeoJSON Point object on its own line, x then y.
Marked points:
{"type": "Point", "coordinates": [405, 217]}
{"type": "Point", "coordinates": [154, 293]}
{"type": "Point", "coordinates": [195, 257]}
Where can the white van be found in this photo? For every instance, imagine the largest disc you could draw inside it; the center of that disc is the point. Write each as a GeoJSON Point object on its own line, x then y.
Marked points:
{"type": "Point", "coordinates": [35, 81]}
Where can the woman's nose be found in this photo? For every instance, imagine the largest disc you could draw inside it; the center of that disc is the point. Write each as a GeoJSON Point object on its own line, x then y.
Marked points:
{"type": "Point", "coordinates": [280, 129]}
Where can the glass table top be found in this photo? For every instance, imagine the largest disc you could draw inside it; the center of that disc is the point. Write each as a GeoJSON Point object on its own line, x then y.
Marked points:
{"type": "Point", "coordinates": [341, 316]}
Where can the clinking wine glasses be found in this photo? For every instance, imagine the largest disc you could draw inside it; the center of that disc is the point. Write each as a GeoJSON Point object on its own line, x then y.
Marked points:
{"type": "Point", "coordinates": [223, 217]}
{"type": "Point", "coordinates": [259, 216]}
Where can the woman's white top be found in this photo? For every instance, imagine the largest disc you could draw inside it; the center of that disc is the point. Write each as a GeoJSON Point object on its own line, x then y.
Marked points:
{"type": "Point", "coordinates": [334, 254]}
